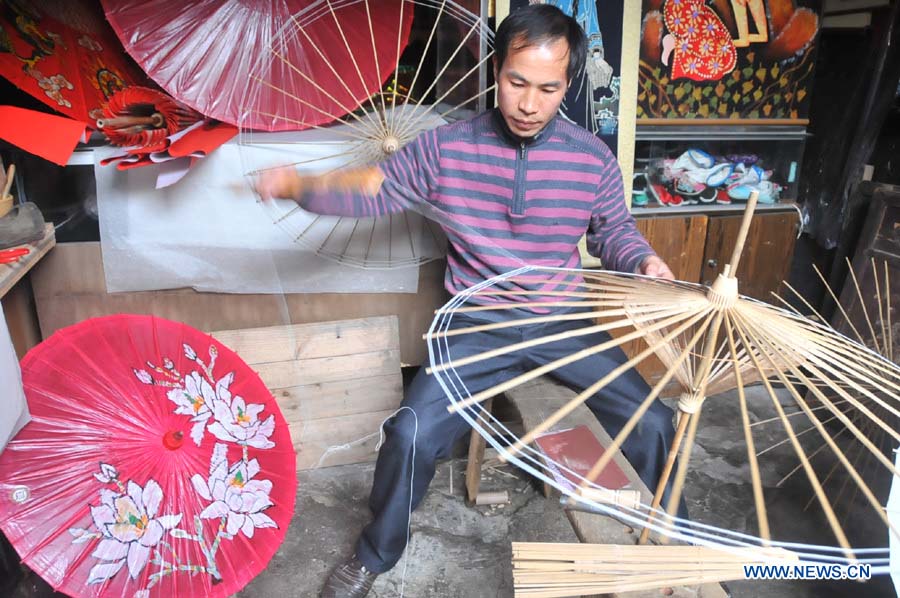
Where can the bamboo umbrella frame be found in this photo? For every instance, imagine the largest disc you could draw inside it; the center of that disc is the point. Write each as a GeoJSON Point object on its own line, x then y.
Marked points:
{"type": "Point", "coordinates": [876, 332]}
{"type": "Point", "coordinates": [371, 129]}
{"type": "Point", "coordinates": [711, 339]}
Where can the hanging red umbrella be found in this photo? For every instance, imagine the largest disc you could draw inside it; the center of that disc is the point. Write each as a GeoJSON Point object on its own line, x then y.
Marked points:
{"type": "Point", "coordinates": [74, 71]}
{"type": "Point", "coordinates": [234, 59]}
{"type": "Point", "coordinates": [157, 463]}
{"type": "Point", "coordinates": [140, 116]}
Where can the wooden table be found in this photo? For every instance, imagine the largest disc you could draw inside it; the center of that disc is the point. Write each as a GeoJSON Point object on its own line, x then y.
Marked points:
{"type": "Point", "coordinates": [12, 273]}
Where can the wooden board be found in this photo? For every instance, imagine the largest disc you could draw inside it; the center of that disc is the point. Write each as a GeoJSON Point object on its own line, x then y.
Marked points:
{"type": "Point", "coordinates": [69, 286]}
{"type": "Point", "coordinates": [10, 274]}
{"type": "Point", "coordinates": [538, 399]}
{"type": "Point", "coordinates": [335, 382]}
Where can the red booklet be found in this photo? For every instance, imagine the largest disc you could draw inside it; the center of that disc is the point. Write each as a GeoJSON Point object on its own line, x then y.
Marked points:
{"type": "Point", "coordinates": [577, 449]}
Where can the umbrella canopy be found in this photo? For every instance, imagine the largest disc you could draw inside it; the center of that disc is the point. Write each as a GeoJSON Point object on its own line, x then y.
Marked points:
{"type": "Point", "coordinates": [711, 339]}
{"type": "Point", "coordinates": [205, 54]}
{"type": "Point", "coordinates": [72, 70]}
{"type": "Point", "coordinates": [157, 463]}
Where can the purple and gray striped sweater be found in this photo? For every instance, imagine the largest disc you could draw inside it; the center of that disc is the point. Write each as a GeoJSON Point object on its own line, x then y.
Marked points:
{"type": "Point", "coordinates": [504, 202]}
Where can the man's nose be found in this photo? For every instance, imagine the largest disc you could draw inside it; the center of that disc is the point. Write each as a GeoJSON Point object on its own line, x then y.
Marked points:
{"type": "Point", "coordinates": [528, 102]}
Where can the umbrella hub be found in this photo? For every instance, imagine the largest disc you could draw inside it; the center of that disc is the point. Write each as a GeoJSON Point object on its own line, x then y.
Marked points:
{"type": "Point", "coordinates": [173, 439]}
{"type": "Point", "coordinates": [689, 402]}
{"type": "Point", "coordinates": [724, 292]}
{"type": "Point", "coordinates": [390, 144]}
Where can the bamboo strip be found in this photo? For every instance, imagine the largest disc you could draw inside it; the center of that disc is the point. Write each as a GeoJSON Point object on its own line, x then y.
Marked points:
{"type": "Point", "coordinates": [563, 361]}
{"type": "Point", "coordinates": [810, 473]}
{"type": "Point", "coordinates": [594, 388]}
{"type": "Point", "coordinates": [550, 338]}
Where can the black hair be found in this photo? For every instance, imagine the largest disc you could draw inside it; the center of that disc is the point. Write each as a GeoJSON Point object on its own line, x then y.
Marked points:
{"type": "Point", "coordinates": [537, 23]}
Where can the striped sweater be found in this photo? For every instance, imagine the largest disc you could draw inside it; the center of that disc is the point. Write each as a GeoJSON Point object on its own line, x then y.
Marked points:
{"type": "Point", "coordinates": [505, 202]}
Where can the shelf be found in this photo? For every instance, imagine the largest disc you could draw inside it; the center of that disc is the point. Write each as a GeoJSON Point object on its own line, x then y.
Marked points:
{"type": "Point", "coordinates": [12, 273]}
{"type": "Point", "coordinates": [711, 209]}
{"type": "Point", "coordinates": [719, 132]}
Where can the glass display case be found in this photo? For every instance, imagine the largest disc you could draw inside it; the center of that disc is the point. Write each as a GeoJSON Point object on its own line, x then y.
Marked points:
{"type": "Point", "coordinates": [715, 165]}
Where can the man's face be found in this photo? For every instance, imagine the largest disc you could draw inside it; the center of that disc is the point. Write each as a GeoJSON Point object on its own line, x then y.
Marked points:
{"type": "Point", "coordinates": [531, 85]}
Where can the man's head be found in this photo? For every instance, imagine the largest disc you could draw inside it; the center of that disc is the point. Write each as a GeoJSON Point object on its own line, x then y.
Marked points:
{"type": "Point", "coordinates": [538, 51]}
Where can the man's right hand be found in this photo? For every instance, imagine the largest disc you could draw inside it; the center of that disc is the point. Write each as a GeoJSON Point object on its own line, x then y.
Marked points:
{"type": "Point", "coordinates": [283, 182]}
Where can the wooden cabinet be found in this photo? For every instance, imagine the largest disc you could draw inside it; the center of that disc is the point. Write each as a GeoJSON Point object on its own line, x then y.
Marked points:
{"type": "Point", "coordinates": [767, 255]}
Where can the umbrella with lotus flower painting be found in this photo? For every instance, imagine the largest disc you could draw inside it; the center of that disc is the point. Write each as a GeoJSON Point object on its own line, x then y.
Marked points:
{"type": "Point", "coordinates": [156, 464]}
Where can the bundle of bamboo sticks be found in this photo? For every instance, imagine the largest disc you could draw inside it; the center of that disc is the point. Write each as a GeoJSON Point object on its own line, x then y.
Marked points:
{"type": "Point", "coordinates": [558, 570]}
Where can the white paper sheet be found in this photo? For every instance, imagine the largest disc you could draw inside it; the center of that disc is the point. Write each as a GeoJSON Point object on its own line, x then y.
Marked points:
{"type": "Point", "coordinates": [208, 232]}
{"type": "Point", "coordinates": [13, 407]}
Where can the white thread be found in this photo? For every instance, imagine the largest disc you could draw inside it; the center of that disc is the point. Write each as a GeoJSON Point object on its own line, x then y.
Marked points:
{"type": "Point", "coordinates": [412, 476]}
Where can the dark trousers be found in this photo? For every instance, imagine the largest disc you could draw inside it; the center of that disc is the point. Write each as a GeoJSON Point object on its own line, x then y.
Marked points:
{"type": "Point", "coordinates": [382, 542]}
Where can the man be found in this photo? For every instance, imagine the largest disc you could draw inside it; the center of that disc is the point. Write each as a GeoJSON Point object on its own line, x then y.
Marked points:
{"type": "Point", "coordinates": [515, 185]}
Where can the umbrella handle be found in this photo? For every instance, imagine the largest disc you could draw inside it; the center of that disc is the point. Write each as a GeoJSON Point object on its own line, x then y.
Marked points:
{"type": "Point", "coordinates": [731, 268]}
{"type": "Point", "coordinates": [155, 120]}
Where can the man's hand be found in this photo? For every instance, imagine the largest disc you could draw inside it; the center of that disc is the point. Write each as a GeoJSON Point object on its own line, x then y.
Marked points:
{"type": "Point", "coordinates": [653, 266]}
{"type": "Point", "coordinates": [279, 183]}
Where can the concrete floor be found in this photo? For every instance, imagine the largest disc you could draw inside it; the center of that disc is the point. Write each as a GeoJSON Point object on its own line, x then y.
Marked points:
{"type": "Point", "coordinates": [462, 552]}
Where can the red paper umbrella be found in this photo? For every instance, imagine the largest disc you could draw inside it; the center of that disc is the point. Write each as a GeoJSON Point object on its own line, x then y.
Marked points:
{"type": "Point", "coordinates": [157, 463]}
{"type": "Point", "coordinates": [73, 71]}
{"type": "Point", "coordinates": [204, 53]}
{"type": "Point", "coordinates": [139, 116]}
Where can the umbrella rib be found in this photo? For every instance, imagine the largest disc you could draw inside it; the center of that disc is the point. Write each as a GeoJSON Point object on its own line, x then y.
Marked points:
{"type": "Point", "coordinates": [862, 304]}
{"type": "Point", "coordinates": [818, 450]}
{"type": "Point", "coordinates": [841, 351]}
{"type": "Point", "coordinates": [812, 366]}
{"type": "Point", "coordinates": [414, 120]}
{"type": "Point", "coordinates": [878, 300]}
{"type": "Point", "coordinates": [325, 92]}
{"type": "Point", "coordinates": [550, 338]}
{"type": "Point", "coordinates": [810, 472]}
{"type": "Point", "coordinates": [529, 304]}
{"type": "Point", "coordinates": [681, 474]}
{"type": "Point", "coordinates": [330, 129]}
{"type": "Point", "coordinates": [515, 323]}
{"type": "Point", "coordinates": [597, 386]}
{"type": "Point", "coordinates": [887, 295]}
{"type": "Point", "coordinates": [375, 56]}
{"type": "Point", "coordinates": [373, 129]}
{"type": "Point", "coordinates": [604, 459]}
{"type": "Point", "coordinates": [548, 367]}
{"type": "Point", "coordinates": [444, 68]}
{"type": "Point", "coordinates": [396, 83]}
{"type": "Point", "coordinates": [840, 307]}
{"type": "Point", "coordinates": [349, 152]}
{"type": "Point", "coordinates": [698, 392]}
{"type": "Point", "coordinates": [799, 434]}
{"type": "Point", "coordinates": [412, 85]}
{"type": "Point", "coordinates": [486, 91]}
{"type": "Point", "coordinates": [356, 66]}
{"type": "Point", "coordinates": [774, 419]}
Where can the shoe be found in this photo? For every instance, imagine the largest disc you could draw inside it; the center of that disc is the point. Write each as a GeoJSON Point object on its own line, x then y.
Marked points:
{"type": "Point", "coordinates": [692, 159]}
{"type": "Point", "coordinates": [639, 190]}
{"type": "Point", "coordinates": [708, 195]}
{"type": "Point", "coordinates": [662, 195]}
{"type": "Point", "coordinates": [350, 579]}
{"type": "Point", "coordinates": [23, 224]}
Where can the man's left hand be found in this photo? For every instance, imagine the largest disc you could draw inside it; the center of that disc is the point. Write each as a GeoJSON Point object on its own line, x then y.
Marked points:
{"type": "Point", "coordinates": [653, 266]}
